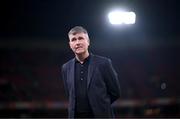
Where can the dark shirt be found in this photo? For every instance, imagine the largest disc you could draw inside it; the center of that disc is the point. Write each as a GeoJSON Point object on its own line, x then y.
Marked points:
{"type": "Point", "coordinates": [81, 71]}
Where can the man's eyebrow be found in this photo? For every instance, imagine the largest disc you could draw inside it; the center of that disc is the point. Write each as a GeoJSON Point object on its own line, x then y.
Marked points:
{"type": "Point", "coordinates": [80, 37]}
{"type": "Point", "coordinates": [73, 38]}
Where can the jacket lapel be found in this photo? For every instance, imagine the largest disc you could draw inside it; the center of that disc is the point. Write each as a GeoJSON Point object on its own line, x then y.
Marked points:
{"type": "Point", "coordinates": [90, 69]}
{"type": "Point", "coordinates": [71, 74]}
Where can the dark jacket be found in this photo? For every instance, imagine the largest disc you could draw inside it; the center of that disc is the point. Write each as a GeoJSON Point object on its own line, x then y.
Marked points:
{"type": "Point", "coordinates": [102, 83]}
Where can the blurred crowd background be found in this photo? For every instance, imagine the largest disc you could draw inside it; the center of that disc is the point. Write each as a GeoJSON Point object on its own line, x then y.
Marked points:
{"type": "Point", "coordinates": [34, 45]}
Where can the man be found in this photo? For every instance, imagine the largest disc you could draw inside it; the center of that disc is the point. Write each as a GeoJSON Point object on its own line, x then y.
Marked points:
{"type": "Point", "coordinates": [90, 81]}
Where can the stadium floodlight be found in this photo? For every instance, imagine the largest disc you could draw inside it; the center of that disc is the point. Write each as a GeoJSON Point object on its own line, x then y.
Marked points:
{"type": "Point", "coordinates": [121, 17]}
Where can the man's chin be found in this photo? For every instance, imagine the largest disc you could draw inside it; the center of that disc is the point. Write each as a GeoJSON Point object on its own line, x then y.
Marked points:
{"type": "Point", "coordinates": [79, 53]}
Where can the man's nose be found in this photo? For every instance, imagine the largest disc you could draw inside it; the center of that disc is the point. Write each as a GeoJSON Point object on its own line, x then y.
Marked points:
{"type": "Point", "coordinates": [77, 41]}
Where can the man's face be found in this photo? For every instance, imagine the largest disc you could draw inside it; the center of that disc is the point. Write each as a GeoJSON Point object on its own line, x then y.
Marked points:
{"type": "Point", "coordinates": [79, 43]}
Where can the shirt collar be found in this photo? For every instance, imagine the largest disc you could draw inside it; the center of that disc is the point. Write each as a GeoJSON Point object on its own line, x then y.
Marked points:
{"type": "Point", "coordinates": [85, 60]}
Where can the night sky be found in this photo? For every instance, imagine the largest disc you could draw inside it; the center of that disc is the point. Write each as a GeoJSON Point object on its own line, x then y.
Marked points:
{"type": "Point", "coordinates": [54, 18]}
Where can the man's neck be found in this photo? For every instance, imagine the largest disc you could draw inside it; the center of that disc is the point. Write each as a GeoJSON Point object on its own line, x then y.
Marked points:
{"type": "Point", "coordinates": [82, 57]}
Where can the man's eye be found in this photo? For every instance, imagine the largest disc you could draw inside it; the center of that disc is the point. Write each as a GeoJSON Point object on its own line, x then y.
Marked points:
{"type": "Point", "coordinates": [80, 38]}
{"type": "Point", "coordinates": [73, 39]}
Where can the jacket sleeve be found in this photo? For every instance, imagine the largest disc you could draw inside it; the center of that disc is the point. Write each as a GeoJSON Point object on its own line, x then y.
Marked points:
{"type": "Point", "coordinates": [111, 80]}
{"type": "Point", "coordinates": [64, 78]}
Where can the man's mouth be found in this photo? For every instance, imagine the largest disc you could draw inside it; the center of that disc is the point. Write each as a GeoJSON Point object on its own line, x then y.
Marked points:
{"type": "Point", "coordinates": [78, 48]}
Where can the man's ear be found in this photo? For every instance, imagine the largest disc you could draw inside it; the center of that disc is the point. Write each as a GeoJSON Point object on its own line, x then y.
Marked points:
{"type": "Point", "coordinates": [89, 41]}
{"type": "Point", "coordinates": [69, 44]}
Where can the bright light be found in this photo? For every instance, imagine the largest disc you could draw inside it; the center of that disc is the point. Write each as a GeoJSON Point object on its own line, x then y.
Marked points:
{"type": "Point", "coordinates": [120, 17]}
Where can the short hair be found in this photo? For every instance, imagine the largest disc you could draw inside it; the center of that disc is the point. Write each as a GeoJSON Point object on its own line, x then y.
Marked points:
{"type": "Point", "coordinates": [77, 29]}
